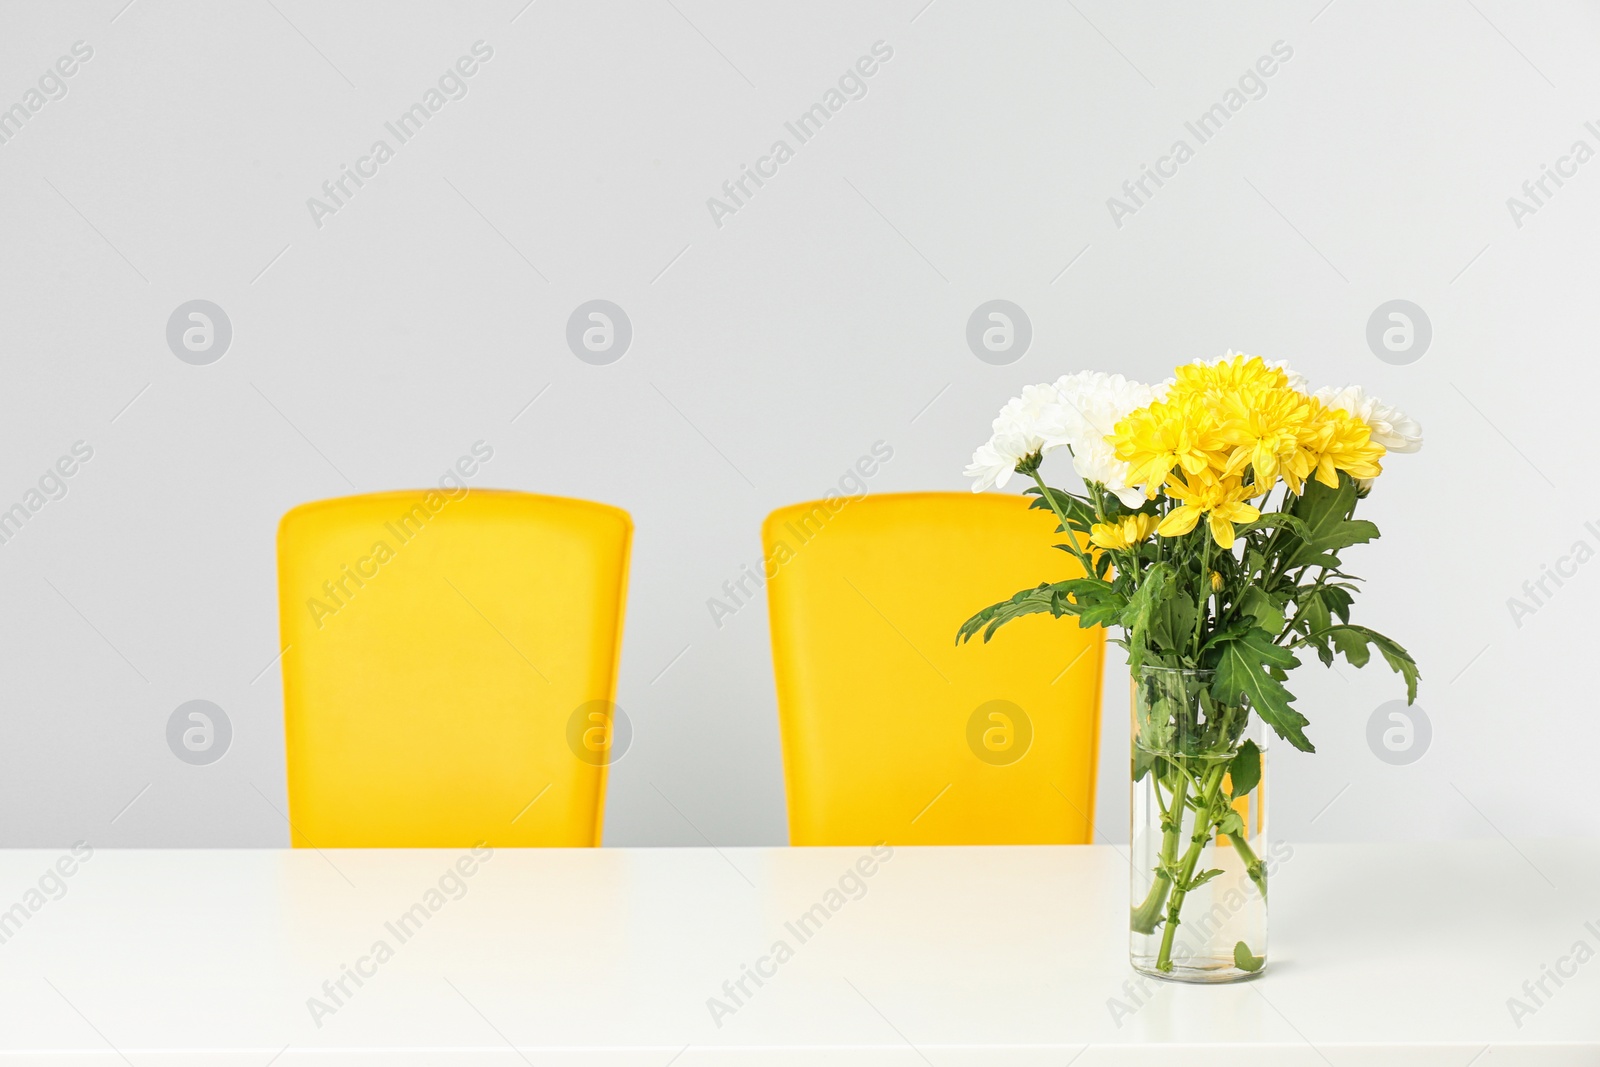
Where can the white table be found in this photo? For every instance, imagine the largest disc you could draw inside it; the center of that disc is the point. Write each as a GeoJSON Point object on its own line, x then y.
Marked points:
{"type": "Point", "coordinates": [953, 956]}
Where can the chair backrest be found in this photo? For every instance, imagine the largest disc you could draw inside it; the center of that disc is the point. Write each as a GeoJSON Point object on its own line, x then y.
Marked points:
{"type": "Point", "coordinates": [450, 659]}
{"type": "Point", "coordinates": [891, 732]}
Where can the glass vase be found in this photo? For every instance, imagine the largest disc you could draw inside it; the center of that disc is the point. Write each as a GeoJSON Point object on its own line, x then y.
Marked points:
{"type": "Point", "coordinates": [1198, 835]}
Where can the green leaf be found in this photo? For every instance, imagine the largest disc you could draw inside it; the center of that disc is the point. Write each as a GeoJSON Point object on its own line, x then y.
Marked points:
{"type": "Point", "coordinates": [1325, 516]}
{"type": "Point", "coordinates": [1231, 632]}
{"type": "Point", "coordinates": [1102, 566]}
{"type": "Point", "coordinates": [1320, 643]}
{"type": "Point", "coordinates": [1399, 661]}
{"type": "Point", "coordinates": [1268, 615]}
{"type": "Point", "coordinates": [1143, 760]}
{"type": "Point", "coordinates": [1271, 520]}
{"type": "Point", "coordinates": [1245, 960]}
{"type": "Point", "coordinates": [1075, 508]}
{"type": "Point", "coordinates": [1338, 600]}
{"type": "Point", "coordinates": [1093, 601]}
{"type": "Point", "coordinates": [1027, 602]}
{"type": "Point", "coordinates": [1244, 770]}
{"type": "Point", "coordinates": [1135, 618]}
{"type": "Point", "coordinates": [1172, 624]}
{"type": "Point", "coordinates": [1202, 878]}
{"type": "Point", "coordinates": [1250, 668]}
{"type": "Point", "coordinates": [1311, 611]}
{"type": "Point", "coordinates": [1230, 824]}
{"type": "Point", "coordinates": [1352, 642]}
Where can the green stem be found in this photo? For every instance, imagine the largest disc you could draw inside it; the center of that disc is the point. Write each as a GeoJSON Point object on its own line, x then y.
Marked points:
{"type": "Point", "coordinates": [1272, 538]}
{"type": "Point", "coordinates": [1203, 824]}
{"type": "Point", "coordinates": [1148, 914]}
{"type": "Point", "coordinates": [1097, 496]}
{"type": "Point", "coordinates": [1066, 527]}
{"type": "Point", "coordinates": [1252, 864]}
{"type": "Point", "coordinates": [1205, 587]}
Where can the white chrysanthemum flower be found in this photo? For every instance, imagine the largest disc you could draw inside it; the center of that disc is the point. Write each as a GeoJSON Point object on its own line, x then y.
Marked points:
{"type": "Point", "coordinates": [1392, 428]}
{"type": "Point", "coordinates": [1078, 412]}
{"type": "Point", "coordinates": [996, 460]}
{"type": "Point", "coordinates": [1020, 430]}
{"type": "Point", "coordinates": [1038, 415]}
{"type": "Point", "coordinates": [1297, 382]}
{"type": "Point", "coordinates": [1092, 403]}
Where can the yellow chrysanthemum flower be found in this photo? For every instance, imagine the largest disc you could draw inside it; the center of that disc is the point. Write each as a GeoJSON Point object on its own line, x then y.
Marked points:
{"type": "Point", "coordinates": [1129, 531]}
{"type": "Point", "coordinates": [1242, 419]}
{"type": "Point", "coordinates": [1182, 434]}
{"type": "Point", "coordinates": [1221, 500]}
{"type": "Point", "coordinates": [1267, 430]}
{"type": "Point", "coordinates": [1341, 442]}
{"type": "Point", "coordinates": [1234, 375]}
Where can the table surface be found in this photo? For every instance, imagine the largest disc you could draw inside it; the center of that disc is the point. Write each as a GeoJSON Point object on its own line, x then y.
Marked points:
{"type": "Point", "coordinates": [1379, 953]}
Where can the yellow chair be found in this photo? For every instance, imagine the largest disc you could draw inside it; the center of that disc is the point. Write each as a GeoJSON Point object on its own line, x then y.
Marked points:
{"type": "Point", "coordinates": [890, 731]}
{"type": "Point", "coordinates": [450, 661]}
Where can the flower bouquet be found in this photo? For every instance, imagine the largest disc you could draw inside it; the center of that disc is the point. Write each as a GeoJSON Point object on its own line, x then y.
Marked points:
{"type": "Point", "coordinates": [1214, 509]}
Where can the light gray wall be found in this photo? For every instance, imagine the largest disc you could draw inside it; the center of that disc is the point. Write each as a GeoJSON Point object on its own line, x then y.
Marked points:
{"type": "Point", "coordinates": [769, 351]}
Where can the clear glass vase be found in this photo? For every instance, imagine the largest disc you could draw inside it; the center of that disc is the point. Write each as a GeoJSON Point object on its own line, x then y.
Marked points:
{"type": "Point", "coordinates": [1199, 870]}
